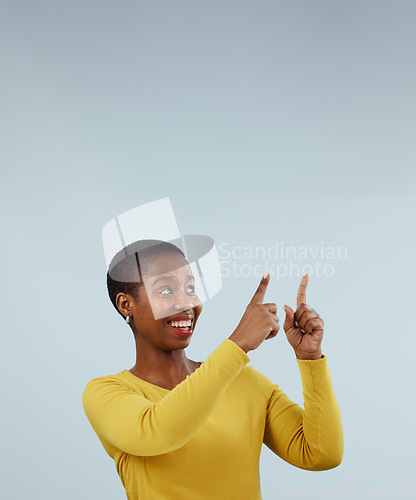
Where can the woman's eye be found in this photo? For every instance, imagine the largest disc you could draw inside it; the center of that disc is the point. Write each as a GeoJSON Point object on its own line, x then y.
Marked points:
{"type": "Point", "coordinates": [168, 290]}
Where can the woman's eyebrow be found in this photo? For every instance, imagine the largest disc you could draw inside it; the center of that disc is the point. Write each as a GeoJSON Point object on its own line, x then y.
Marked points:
{"type": "Point", "coordinates": [171, 278]}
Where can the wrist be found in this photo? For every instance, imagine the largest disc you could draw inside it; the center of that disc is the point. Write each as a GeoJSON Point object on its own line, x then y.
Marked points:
{"type": "Point", "coordinates": [311, 356]}
{"type": "Point", "coordinates": [240, 344]}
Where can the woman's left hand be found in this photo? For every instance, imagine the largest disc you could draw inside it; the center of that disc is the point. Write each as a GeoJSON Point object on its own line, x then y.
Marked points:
{"type": "Point", "coordinates": [304, 328]}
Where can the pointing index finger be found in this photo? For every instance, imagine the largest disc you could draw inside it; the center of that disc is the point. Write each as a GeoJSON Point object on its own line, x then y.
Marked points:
{"type": "Point", "coordinates": [259, 294]}
{"type": "Point", "coordinates": [301, 297]}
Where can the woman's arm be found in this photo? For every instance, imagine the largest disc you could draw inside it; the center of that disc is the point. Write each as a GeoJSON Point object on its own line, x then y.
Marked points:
{"type": "Point", "coordinates": [310, 438]}
{"type": "Point", "coordinates": [137, 426]}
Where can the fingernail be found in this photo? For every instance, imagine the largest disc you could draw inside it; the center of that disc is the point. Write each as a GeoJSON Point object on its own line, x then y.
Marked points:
{"type": "Point", "coordinates": [265, 275]}
{"type": "Point", "coordinates": [284, 307]}
{"type": "Point", "coordinates": [296, 324]}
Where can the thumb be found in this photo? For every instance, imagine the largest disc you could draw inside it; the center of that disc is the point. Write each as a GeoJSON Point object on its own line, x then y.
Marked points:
{"type": "Point", "coordinates": [290, 318]}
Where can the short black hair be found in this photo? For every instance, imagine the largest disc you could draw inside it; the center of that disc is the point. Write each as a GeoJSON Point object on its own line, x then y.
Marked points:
{"type": "Point", "coordinates": [124, 273]}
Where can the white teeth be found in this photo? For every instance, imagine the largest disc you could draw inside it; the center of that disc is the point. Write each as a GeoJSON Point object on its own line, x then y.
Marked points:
{"type": "Point", "coordinates": [182, 324]}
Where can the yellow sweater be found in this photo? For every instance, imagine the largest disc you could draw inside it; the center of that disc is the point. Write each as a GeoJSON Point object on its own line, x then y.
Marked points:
{"type": "Point", "coordinates": [202, 440]}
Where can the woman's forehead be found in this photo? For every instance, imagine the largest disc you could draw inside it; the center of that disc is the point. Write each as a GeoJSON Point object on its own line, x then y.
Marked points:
{"type": "Point", "coordinates": [167, 263]}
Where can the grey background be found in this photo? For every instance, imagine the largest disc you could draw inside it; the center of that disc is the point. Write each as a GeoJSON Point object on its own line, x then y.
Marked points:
{"type": "Point", "coordinates": [262, 121]}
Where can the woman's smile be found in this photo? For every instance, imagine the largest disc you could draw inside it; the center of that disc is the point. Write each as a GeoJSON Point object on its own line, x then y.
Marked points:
{"type": "Point", "coordinates": [182, 324]}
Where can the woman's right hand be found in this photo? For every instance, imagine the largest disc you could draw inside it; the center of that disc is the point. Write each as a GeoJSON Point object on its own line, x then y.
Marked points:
{"type": "Point", "coordinates": [258, 323]}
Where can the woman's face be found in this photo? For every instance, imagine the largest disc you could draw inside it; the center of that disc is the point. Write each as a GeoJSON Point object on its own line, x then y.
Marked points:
{"type": "Point", "coordinates": [167, 295]}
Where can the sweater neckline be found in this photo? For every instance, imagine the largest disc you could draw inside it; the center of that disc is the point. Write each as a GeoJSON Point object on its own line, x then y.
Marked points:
{"type": "Point", "coordinates": [150, 383]}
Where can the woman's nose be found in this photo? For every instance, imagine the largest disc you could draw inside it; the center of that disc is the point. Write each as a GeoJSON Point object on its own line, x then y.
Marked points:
{"type": "Point", "coordinates": [184, 302]}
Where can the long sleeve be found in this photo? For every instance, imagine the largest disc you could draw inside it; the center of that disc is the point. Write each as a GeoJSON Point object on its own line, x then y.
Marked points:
{"type": "Point", "coordinates": [310, 438]}
{"type": "Point", "coordinates": [135, 425]}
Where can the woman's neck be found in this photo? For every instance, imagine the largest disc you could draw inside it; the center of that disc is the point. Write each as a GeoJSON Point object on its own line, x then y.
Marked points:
{"type": "Point", "coordinates": [163, 368]}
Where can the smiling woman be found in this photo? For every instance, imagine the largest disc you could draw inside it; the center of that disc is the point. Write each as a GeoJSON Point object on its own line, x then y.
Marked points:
{"type": "Point", "coordinates": [156, 305]}
{"type": "Point", "coordinates": [180, 429]}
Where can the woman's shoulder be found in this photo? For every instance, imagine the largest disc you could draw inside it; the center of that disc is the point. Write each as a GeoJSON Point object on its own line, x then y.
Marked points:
{"type": "Point", "coordinates": [111, 376]}
{"type": "Point", "coordinates": [105, 390]}
{"type": "Point", "coordinates": [112, 380]}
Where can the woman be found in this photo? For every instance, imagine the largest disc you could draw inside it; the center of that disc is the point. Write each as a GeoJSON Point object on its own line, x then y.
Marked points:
{"type": "Point", "coordinates": [181, 429]}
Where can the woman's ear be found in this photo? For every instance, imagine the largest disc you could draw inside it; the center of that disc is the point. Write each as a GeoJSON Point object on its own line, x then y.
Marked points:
{"type": "Point", "coordinates": [123, 304]}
